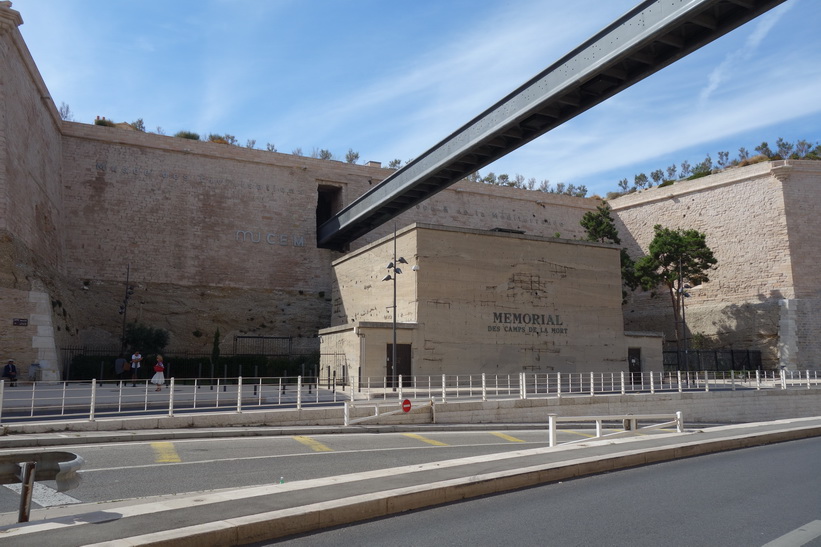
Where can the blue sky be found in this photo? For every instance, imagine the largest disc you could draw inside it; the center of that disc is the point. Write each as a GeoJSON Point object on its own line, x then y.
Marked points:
{"type": "Point", "coordinates": [390, 78]}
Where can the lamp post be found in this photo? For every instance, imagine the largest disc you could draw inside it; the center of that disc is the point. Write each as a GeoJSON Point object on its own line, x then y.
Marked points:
{"type": "Point", "coordinates": [129, 290]}
{"type": "Point", "coordinates": [396, 271]}
{"type": "Point", "coordinates": [682, 294]}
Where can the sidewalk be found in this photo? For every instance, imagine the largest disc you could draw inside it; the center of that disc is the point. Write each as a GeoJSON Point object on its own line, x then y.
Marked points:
{"type": "Point", "coordinates": [266, 512]}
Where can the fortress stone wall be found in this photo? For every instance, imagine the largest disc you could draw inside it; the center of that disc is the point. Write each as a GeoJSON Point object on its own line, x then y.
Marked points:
{"type": "Point", "coordinates": [762, 224]}
{"type": "Point", "coordinates": [213, 236]}
{"type": "Point", "coordinates": [220, 236]}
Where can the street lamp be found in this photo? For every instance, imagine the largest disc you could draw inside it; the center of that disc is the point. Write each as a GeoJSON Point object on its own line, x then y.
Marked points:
{"type": "Point", "coordinates": [682, 294]}
{"type": "Point", "coordinates": [129, 290]}
{"type": "Point", "coordinates": [396, 270]}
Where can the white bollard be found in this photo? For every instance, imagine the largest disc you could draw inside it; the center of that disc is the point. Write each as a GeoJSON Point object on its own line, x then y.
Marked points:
{"type": "Point", "coordinates": [93, 399]}
{"type": "Point", "coordinates": [680, 422]}
{"type": "Point", "coordinates": [239, 395]}
{"type": "Point", "coordinates": [171, 398]}
{"type": "Point", "coordinates": [484, 387]}
{"type": "Point", "coordinates": [678, 374]}
{"type": "Point", "coordinates": [559, 385]}
{"type": "Point", "coordinates": [551, 423]}
{"type": "Point", "coordinates": [622, 383]}
{"type": "Point", "coordinates": [444, 392]}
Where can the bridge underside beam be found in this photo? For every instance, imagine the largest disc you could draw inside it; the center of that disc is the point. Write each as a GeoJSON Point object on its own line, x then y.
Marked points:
{"type": "Point", "coordinates": [651, 36]}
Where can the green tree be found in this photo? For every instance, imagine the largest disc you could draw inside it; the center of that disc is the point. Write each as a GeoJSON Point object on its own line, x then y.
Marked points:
{"type": "Point", "coordinates": [148, 340]}
{"type": "Point", "coordinates": [351, 156]}
{"type": "Point", "coordinates": [600, 226]}
{"type": "Point", "coordinates": [675, 258]}
{"type": "Point", "coordinates": [187, 135]}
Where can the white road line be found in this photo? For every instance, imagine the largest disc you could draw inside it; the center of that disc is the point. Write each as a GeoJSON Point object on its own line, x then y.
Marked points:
{"type": "Point", "coordinates": [799, 536]}
{"type": "Point", "coordinates": [44, 496]}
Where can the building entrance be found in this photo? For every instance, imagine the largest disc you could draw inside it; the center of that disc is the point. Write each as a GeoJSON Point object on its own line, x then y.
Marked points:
{"type": "Point", "coordinates": [403, 365]}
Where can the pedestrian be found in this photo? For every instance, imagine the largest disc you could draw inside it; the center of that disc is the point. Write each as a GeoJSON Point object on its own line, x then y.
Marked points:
{"type": "Point", "coordinates": [122, 368]}
{"type": "Point", "coordinates": [159, 377]}
{"type": "Point", "coordinates": [10, 372]}
{"type": "Point", "coordinates": [136, 359]}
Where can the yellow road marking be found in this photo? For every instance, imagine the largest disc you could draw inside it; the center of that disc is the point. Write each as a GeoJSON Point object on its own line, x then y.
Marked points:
{"type": "Point", "coordinates": [316, 446]}
{"type": "Point", "coordinates": [165, 453]}
{"type": "Point", "coordinates": [588, 435]}
{"type": "Point", "coordinates": [507, 437]}
{"type": "Point", "coordinates": [423, 439]}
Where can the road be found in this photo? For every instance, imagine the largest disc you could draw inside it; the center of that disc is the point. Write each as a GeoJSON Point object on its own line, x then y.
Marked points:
{"type": "Point", "coordinates": [768, 495]}
{"type": "Point", "coordinates": [115, 471]}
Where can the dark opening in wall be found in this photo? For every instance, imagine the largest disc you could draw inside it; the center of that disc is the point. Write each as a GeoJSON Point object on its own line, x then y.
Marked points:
{"type": "Point", "coordinates": [328, 203]}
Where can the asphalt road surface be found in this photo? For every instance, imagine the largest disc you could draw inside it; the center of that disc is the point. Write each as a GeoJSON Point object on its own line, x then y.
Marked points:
{"type": "Point", "coordinates": [115, 471]}
{"type": "Point", "coordinates": [768, 495]}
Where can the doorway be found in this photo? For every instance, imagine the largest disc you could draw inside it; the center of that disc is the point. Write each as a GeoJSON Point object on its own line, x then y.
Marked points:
{"type": "Point", "coordinates": [634, 363]}
{"type": "Point", "coordinates": [403, 365]}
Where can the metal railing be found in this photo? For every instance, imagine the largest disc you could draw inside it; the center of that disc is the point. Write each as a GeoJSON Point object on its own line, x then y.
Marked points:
{"type": "Point", "coordinates": [629, 421]}
{"type": "Point", "coordinates": [39, 401]}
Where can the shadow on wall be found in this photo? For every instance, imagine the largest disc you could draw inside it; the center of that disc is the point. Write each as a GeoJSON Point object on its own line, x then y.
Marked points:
{"type": "Point", "coordinates": [751, 325]}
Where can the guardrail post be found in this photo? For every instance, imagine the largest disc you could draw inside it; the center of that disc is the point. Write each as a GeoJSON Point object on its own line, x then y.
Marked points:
{"type": "Point", "coordinates": [299, 392]}
{"type": "Point", "coordinates": [678, 373]}
{"type": "Point", "coordinates": [27, 489]}
{"type": "Point", "coordinates": [93, 400]}
{"type": "Point", "coordinates": [484, 387]}
{"type": "Point", "coordinates": [239, 394]}
{"type": "Point", "coordinates": [622, 383]}
{"type": "Point", "coordinates": [551, 429]}
{"type": "Point", "coordinates": [679, 421]}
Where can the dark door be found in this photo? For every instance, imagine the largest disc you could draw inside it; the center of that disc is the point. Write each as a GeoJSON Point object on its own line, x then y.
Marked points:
{"type": "Point", "coordinates": [403, 365]}
{"type": "Point", "coordinates": [634, 363]}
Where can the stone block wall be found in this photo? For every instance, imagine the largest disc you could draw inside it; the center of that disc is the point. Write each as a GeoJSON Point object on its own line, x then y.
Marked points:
{"type": "Point", "coordinates": [744, 214]}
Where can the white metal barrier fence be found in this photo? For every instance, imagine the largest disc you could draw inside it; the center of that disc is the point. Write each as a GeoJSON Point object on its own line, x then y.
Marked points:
{"type": "Point", "coordinates": [80, 400]}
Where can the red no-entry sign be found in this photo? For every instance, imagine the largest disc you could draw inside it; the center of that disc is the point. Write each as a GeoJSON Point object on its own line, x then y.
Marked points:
{"type": "Point", "coordinates": [406, 405]}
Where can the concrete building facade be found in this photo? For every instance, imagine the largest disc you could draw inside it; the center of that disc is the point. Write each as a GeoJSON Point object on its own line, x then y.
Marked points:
{"type": "Point", "coordinates": [476, 301]}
